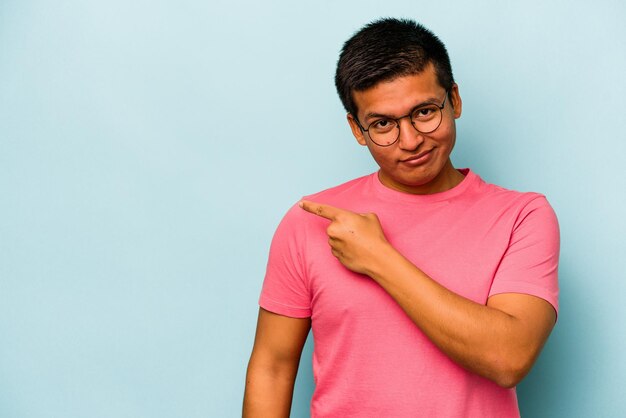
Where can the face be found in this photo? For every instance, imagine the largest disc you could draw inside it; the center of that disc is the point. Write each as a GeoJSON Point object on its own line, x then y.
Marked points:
{"type": "Point", "coordinates": [417, 163]}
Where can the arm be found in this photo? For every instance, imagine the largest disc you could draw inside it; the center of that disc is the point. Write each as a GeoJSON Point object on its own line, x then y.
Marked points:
{"type": "Point", "coordinates": [499, 341]}
{"type": "Point", "coordinates": [274, 364]}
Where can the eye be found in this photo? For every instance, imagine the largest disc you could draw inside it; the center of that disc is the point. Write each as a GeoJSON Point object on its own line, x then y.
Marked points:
{"type": "Point", "coordinates": [382, 125]}
{"type": "Point", "coordinates": [424, 113]}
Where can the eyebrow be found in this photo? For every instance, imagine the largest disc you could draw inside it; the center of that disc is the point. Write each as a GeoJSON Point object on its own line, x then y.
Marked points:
{"type": "Point", "coordinates": [374, 115]}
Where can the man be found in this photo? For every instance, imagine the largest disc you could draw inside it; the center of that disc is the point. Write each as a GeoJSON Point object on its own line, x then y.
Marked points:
{"type": "Point", "coordinates": [429, 292]}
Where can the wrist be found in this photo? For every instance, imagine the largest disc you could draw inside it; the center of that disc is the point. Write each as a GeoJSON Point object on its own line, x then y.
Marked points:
{"type": "Point", "coordinates": [386, 256]}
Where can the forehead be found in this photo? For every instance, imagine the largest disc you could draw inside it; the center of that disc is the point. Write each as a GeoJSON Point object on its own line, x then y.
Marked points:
{"type": "Point", "coordinates": [398, 96]}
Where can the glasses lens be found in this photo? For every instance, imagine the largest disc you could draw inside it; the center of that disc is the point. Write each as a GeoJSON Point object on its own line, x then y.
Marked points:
{"type": "Point", "coordinates": [384, 132]}
{"type": "Point", "coordinates": [426, 118]}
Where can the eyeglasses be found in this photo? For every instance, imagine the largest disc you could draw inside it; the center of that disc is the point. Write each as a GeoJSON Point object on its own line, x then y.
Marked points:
{"type": "Point", "coordinates": [425, 118]}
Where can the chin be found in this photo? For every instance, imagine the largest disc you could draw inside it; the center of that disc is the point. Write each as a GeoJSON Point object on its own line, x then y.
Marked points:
{"type": "Point", "coordinates": [417, 181]}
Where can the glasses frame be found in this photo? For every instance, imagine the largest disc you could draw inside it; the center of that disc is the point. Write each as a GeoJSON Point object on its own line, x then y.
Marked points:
{"type": "Point", "coordinates": [397, 120]}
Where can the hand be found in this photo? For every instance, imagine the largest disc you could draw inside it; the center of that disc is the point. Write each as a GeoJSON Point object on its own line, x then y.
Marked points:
{"type": "Point", "coordinates": [357, 240]}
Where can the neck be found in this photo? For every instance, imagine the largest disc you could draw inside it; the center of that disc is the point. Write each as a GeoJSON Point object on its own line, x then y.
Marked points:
{"type": "Point", "coordinates": [447, 178]}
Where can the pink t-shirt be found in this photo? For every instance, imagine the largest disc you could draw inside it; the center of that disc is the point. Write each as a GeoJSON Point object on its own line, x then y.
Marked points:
{"type": "Point", "coordinates": [370, 360]}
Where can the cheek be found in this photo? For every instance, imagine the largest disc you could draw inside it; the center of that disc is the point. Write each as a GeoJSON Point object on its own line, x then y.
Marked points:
{"type": "Point", "coordinates": [382, 158]}
{"type": "Point", "coordinates": [448, 137]}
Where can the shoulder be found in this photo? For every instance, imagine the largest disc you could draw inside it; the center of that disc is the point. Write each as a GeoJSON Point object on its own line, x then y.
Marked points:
{"type": "Point", "coordinates": [509, 210]}
{"type": "Point", "coordinates": [344, 195]}
{"type": "Point", "coordinates": [511, 201]}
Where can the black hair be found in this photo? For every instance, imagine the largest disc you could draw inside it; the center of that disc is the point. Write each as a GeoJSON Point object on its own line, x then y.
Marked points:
{"type": "Point", "coordinates": [384, 50]}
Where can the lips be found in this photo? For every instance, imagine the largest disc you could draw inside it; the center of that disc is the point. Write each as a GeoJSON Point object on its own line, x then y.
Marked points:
{"type": "Point", "coordinates": [418, 159]}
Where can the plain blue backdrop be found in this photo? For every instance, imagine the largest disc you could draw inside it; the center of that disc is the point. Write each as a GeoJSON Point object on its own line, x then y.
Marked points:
{"type": "Point", "coordinates": [148, 149]}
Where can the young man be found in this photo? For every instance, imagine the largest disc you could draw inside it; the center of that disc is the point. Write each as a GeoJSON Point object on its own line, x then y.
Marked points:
{"type": "Point", "coordinates": [429, 292]}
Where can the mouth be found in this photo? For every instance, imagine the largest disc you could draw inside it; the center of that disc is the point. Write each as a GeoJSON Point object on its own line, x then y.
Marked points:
{"type": "Point", "coordinates": [418, 159]}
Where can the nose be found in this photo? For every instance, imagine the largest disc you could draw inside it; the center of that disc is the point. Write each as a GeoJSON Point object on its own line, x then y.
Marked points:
{"type": "Point", "coordinates": [410, 138]}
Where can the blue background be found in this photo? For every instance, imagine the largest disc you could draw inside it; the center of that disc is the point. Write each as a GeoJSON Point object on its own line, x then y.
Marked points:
{"type": "Point", "coordinates": [148, 149]}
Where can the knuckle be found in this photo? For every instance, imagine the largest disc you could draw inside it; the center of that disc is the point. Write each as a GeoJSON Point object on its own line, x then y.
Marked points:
{"type": "Point", "coordinates": [332, 230]}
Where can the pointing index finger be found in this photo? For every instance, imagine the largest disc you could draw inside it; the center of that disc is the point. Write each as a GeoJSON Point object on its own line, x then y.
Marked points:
{"type": "Point", "coordinates": [320, 209]}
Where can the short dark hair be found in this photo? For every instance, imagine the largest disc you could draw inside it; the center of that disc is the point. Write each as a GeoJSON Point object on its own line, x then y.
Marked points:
{"type": "Point", "coordinates": [384, 50]}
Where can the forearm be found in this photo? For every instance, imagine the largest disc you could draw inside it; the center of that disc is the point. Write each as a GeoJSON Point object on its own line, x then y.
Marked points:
{"type": "Point", "coordinates": [269, 390]}
{"type": "Point", "coordinates": [482, 339]}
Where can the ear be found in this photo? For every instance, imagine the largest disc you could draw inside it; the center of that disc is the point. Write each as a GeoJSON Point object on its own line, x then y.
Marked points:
{"type": "Point", "coordinates": [356, 130]}
{"type": "Point", "coordinates": [455, 101]}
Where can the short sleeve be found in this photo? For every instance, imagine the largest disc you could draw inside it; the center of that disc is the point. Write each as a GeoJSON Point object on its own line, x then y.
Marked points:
{"type": "Point", "coordinates": [285, 287]}
{"type": "Point", "coordinates": [530, 263]}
